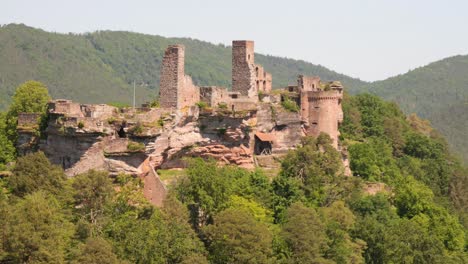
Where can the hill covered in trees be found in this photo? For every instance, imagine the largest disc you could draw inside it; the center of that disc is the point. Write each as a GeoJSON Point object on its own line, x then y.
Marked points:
{"type": "Point", "coordinates": [100, 67]}
{"type": "Point", "coordinates": [309, 212]}
{"type": "Point", "coordinates": [437, 92]}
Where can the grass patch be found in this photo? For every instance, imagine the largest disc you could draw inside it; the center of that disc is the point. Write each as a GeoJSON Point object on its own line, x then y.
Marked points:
{"type": "Point", "coordinates": [173, 174]}
{"type": "Point", "coordinates": [135, 146]}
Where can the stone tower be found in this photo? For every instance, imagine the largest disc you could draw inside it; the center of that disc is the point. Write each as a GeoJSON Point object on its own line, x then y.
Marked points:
{"type": "Point", "coordinates": [243, 68]}
{"type": "Point", "coordinates": [176, 90]}
{"type": "Point", "coordinates": [321, 109]}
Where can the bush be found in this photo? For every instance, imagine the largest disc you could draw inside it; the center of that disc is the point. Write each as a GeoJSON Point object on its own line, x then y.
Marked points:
{"type": "Point", "coordinates": [155, 103]}
{"type": "Point", "coordinates": [289, 105]}
{"type": "Point", "coordinates": [135, 146]}
{"type": "Point", "coordinates": [202, 105]}
{"type": "Point", "coordinates": [222, 106]}
{"type": "Point", "coordinates": [80, 125]}
{"type": "Point", "coordinates": [137, 129]}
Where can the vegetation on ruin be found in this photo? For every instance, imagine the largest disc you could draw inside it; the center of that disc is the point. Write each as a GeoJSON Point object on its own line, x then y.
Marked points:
{"type": "Point", "coordinates": [155, 103]}
{"type": "Point", "coordinates": [119, 105]}
{"type": "Point", "coordinates": [289, 105]}
{"type": "Point", "coordinates": [202, 105]}
{"type": "Point", "coordinates": [222, 106]}
{"type": "Point", "coordinates": [135, 146]}
{"type": "Point", "coordinates": [137, 129]}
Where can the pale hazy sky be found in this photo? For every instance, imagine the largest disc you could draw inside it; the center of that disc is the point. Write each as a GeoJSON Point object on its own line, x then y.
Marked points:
{"type": "Point", "coordinates": [369, 39]}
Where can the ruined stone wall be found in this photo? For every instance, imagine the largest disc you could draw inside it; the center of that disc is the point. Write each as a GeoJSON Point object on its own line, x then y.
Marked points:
{"type": "Point", "coordinates": [268, 83]}
{"type": "Point", "coordinates": [306, 84]}
{"type": "Point", "coordinates": [102, 111]}
{"type": "Point", "coordinates": [61, 106]}
{"type": "Point", "coordinates": [28, 119]}
{"type": "Point", "coordinates": [172, 75]}
{"type": "Point", "coordinates": [243, 68]}
{"type": "Point", "coordinates": [214, 95]}
{"type": "Point", "coordinates": [176, 90]}
{"type": "Point", "coordinates": [324, 113]}
{"type": "Point", "coordinates": [188, 94]}
{"type": "Point", "coordinates": [263, 79]}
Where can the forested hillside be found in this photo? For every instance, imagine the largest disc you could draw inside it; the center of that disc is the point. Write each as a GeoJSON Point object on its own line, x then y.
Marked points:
{"type": "Point", "coordinates": [100, 67]}
{"type": "Point", "coordinates": [437, 92]}
{"type": "Point", "coordinates": [309, 212]}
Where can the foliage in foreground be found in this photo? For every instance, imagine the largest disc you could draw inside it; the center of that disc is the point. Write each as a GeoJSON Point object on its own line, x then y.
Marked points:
{"type": "Point", "coordinates": [309, 213]}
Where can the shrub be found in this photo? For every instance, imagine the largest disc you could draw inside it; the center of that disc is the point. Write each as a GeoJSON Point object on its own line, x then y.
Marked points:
{"type": "Point", "coordinates": [202, 105]}
{"type": "Point", "coordinates": [155, 103]}
{"type": "Point", "coordinates": [289, 105]}
{"type": "Point", "coordinates": [80, 125]}
{"type": "Point", "coordinates": [221, 131]}
{"type": "Point", "coordinates": [137, 129]}
{"type": "Point", "coordinates": [160, 122]}
{"type": "Point", "coordinates": [135, 146]}
{"type": "Point", "coordinates": [222, 106]}
{"type": "Point", "coordinates": [111, 120]}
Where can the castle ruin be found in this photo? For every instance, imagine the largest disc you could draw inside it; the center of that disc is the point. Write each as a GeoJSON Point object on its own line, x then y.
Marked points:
{"type": "Point", "coordinates": [175, 88]}
{"type": "Point", "coordinates": [247, 126]}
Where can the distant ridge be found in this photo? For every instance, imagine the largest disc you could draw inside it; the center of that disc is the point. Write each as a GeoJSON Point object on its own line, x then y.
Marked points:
{"type": "Point", "coordinates": [437, 92]}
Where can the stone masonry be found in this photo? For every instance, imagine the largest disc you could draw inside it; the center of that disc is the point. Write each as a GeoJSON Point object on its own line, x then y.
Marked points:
{"type": "Point", "coordinates": [176, 89]}
{"type": "Point", "coordinates": [321, 107]}
{"type": "Point", "coordinates": [243, 68]}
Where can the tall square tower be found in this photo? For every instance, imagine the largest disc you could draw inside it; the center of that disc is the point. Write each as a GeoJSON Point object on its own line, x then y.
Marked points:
{"type": "Point", "coordinates": [243, 68]}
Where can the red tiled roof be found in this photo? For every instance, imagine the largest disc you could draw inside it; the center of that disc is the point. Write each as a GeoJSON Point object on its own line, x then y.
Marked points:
{"type": "Point", "coordinates": [265, 136]}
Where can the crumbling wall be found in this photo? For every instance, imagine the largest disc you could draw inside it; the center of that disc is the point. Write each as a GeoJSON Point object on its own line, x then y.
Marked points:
{"type": "Point", "coordinates": [62, 106]}
{"type": "Point", "coordinates": [263, 79]}
{"type": "Point", "coordinates": [172, 75]}
{"type": "Point", "coordinates": [306, 84]}
{"type": "Point", "coordinates": [243, 68]}
{"type": "Point", "coordinates": [28, 126]}
{"type": "Point", "coordinates": [248, 78]}
{"type": "Point", "coordinates": [102, 111]}
{"type": "Point", "coordinates": [189, 94]}
{"type": "Point", "coordinates": [176, 90]}
{"type": "Point", "coordinates": [214, 95]}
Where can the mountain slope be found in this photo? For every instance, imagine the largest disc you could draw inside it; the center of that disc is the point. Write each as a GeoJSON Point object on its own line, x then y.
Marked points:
{"type": "Point", "coordinates": [101, 66]}
{"type": "Point", "coordinates": [68, 64]}
{"type": "Point", "coordinates": [437, 92]}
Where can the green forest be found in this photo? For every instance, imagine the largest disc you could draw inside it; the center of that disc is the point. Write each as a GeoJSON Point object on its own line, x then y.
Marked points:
{"type": "Point", "coordinates": [310, 212]}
